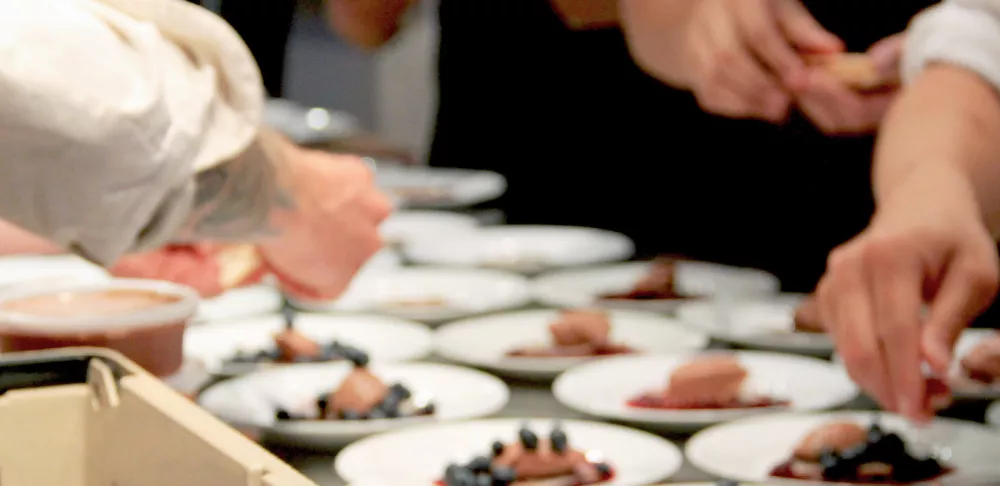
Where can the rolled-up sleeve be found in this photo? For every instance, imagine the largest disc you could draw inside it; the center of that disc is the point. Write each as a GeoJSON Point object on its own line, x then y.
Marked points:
{"type": "Point", "coordinates": [108, 110]}
{"type": "Point", "coordinates": [965, 33]}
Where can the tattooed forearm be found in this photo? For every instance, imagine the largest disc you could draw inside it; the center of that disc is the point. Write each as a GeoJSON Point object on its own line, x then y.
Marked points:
{"type": "Point", "coordinates": [235, 200]}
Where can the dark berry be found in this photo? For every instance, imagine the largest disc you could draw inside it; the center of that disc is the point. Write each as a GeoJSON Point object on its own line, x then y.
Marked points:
{"type": "Point", "coordinates": [282, 414]}
{"type": "Point", "coordinates": [559, 440]}
{"type": "Point", "coordinates": [399, 391]}
{"type": "Point", "coordinates": [829, 459]}
{"type": "Point", "coordinates": [528, 439]}
{"type": "Point", "coordinates": [484, 480]}
{"type": "Point", "coordinates": [390, 409]}
{"type": "Point", "coordinates": [461, 477]}
{"type": "Point", "coordinates": [377, 413]}
{"type": "Point", "coordinates": [350, 415]}
{"type": "Point", "coordinates": [303, 359]}
{"type": "Point", "coordinates": [322, 403]}
{"type": "Point", "coordinates": [264, 355]}
{"type": "Point", "coordinates": [480, 464]}
{"type": "Point", "coordinates": [503, 476]}
{"type": "Point", "coordinates": [358, 358]}
{"type": "Point", "coordinates": [451, 472]}
{"type": "Point", "coordinates": [604, 469]}
{"type": "Point", "coordinates": [497, 448]}
{"type": "Point", "coordinates": [429, 409]}
{"type": "Point", "coordinates": [854, 453]}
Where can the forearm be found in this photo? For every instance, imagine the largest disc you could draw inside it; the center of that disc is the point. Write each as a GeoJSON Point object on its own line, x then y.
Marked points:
{"type": "Point", "coordinates": [367, 23]}
{"type": "Point", "coordinates": [666, 21]}
{"type": "Point", "coordinates": [16, 241]}
{"type": "Point", "coordinates": [946, 124]}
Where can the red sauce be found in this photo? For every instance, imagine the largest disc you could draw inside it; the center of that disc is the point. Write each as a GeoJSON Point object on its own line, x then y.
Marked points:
{"type": "Point", "coordinates": [654, 402]}
{"type": "Point", "coordinates": [784, 471]}
{"type": "Point", "coordinates": [607, 478]}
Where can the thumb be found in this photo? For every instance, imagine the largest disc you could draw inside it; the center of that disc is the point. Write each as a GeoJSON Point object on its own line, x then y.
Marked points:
{"type": "Point", "coordinates": [804, 32]}
{"type": "Point", "coordinates": [966, 289]}
{"type": "Point", "coordinates": [886, 54]}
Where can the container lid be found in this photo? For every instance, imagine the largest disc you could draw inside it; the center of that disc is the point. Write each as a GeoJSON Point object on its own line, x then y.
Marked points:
{"type": "Point", "coordinates": [48, 268]}
{"type": "Point", "coordinates": [61, 318]}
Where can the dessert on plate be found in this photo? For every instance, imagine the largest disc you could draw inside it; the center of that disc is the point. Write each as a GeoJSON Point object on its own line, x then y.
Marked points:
{"type": "Point", "coordinates": [576, 333]}
{"type": "Point", "coordinates": [847, 452]}
{"type": "Point", "coordinates": [710, 382]}
{"type": "Point", "coordinates": [531, 461]}
{"type": "Point", "coordinates": [659, 283]}
{"type": "Point", "coordinates": [416, 303]}
{"type": "Point", "coordinates": [363, 396]}
{"type": "Point", "coordinates": [806, 317]}
{"type": "Point", "coordinates": [982, 363]}
{"type": "Point", "coordinates": [291, 346]}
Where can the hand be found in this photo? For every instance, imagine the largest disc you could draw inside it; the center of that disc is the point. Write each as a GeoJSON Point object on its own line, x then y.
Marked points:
{"type": "Point", "coordinates": [194, 266]}
{"type": "Point", "coordinates": [743, 55]}
{"type": "Point", "coordinates": [926, 244]}
{"type": "Point", "coordinates": [837, 109]}
{"type": "Point", "coordinates": [333, 229]}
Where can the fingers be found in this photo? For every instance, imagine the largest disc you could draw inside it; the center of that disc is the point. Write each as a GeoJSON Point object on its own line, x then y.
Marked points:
{"type": "Point", "coordinates": [968, 286]}
{"type": "Point", "coordinates": [836, 109]}
{"type": "Point", "coordinates": [847, 310]}
{"type": "Point", "coordinates": [803, 31]}
{"type": "Point", "coordinates": [761, 32]}
{"type": "Point", "coordinates": [887, 54]}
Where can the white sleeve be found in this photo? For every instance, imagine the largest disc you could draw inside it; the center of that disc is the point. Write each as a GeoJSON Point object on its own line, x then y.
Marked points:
{"type": "Point", "coordinates": [108, 109]}
{"type": "Point", "coordinates": [965, 33]}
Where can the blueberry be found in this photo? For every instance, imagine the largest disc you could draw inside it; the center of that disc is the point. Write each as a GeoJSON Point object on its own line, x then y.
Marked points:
{"type": "Point", "coordinates": [604, 469]}
{"type": "Point", "coordinates": [429, 409]}
{"type": "Point", "coordinates": [891, 447]}
{"type": "Point", "coordinates": [497, 448]}
{"type": "Point", "coordinates": [503, 476]}
{"type": "Point", "coordinates": [321, 404]}
{"type": "Point", "coordinates": [829, 459]}
{"type": "Point", "coordinates": [399, 391]}
{"type": "Point", "coordinates": [282, 414]}
{"type": "Point", "coordinates": [559, 440]}
{"type": "Point", "coordinates": [377, 414]}
{"type": "Point", "coordinates": [451, 472]}
{"type": "Point", "coordinates": [264, 355]}
{"type": "Point", "coordinates": [359, 358]}
{"type": "Point", "coordinates": [480, 464]}
{"type": "Point", "coordinates": [875, 433]}
{"type": "Point", "coordinates": [350, 415]}
{"type": "Point", "coordinates": [484, 480]}
{"type": "Point", "coordinates": [528, 439]}
{"type": "Point", "coordinates": [303, 359]}
{"type": "Point", "coordinates": [390, 409]}
{"type": "Point", "coordinates": [461, 477]}
{"type": "Point", "coordinates": [854, 453]}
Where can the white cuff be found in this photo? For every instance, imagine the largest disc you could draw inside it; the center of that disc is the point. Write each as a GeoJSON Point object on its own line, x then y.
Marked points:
{"type": "Point", "coordinates": [955, 33]}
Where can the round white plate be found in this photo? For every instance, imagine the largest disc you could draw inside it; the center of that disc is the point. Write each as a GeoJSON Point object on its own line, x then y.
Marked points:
{"type": "Point", "coordinates": [405, 226]}
{"type": "Point", "coordinates": [602, 388]}
{"type": "Point", "coordinates": [458, 187]}
{"type": "Point", "coordinates": [430, 294]}
{"type": "Point", "coordinates": [747, 449]}
{"type": "Point", "coordinates": [524, 249]}
{"type": "Point", "coordinates": [385, 259]}
{"type": "Point", "coordinates": [383, 338]}
{"type": "Point", "coordinates": [485, 341]}
{"type": "Point", "coordinates": [586, 286]}
{"type": "Point", "coordinates": [764, 323]}
{"type": "Point", "coordinates": [423, 453]}
{"type": "Point", "coordinates": [39, 269]}
{"type": "Point", "coordinates": [308, 125]}
{"type": "Point", "coordinates": [252, 400]}
{"type": "Point", "coordinates": [190, 379]}
{"type": "Point", "coordinates": [242, 302]}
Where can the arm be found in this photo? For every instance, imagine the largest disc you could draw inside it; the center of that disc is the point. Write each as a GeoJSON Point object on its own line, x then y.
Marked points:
{"type": "Point", "coordinates": [113, 114]}
{"type": "Point", "coordinates": [665, 21]}
{"type": "Point", "coordinates": [946, 122]}
{"type": "Point", "coordinates": [16, 241]}
{"type": "Point", "coordinates": [367, 23]}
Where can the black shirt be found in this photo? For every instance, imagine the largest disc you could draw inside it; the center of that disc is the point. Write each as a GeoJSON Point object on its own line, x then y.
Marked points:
{"type": "Point", "coordinates": [586, 138]}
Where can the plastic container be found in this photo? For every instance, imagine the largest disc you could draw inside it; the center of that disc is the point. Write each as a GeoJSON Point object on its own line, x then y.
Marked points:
{"type": "Point", "coordinates": [142, 319]}
{"type": "Point", "coordinates": [89, 417]}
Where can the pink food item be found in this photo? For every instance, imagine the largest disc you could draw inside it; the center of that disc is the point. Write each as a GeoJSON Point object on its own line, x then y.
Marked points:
{"type": "Point", "coordinates": [358, 393]}
{"type": "Point", "coordinates": [834, 436]}
{"type": "Point", "coordinates": [807, 316]}
{"type": "Point", "coordinates": [659, 283]}
{"type": "Point", "coordinates": [707, 382]}
{"type": "Point", "coordinates": [294, 346]}
{"type": "Point", "coordinates": [142, 319]}
{"type": "Point", "coordinates": [577, 333]}
{"type": "Point", "coordinates": [982, 363]}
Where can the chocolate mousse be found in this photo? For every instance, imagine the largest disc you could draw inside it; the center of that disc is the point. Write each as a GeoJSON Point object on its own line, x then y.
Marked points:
{"type": "Point", "coordinates": [807, 316]}
{"type": "Point", "coordinates": [532, 460]}
{"type": "Point", "coordinates": [659, 283]}
{"type": "Point", "coordinates": [847, 452]}
{"type": "Point", "coordinates": [982, 362]}
{"type": "Point", "coordinates": [708, 382]}
{"type": "Point", "coordinates": [363, 396]}
{"type": "Point", "coordinates": [576, 333]}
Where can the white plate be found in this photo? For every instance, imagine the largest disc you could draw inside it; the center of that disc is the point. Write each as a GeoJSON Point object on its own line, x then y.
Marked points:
{"type": "Point", "coordinates": [243, 302]}
{"type": "Point", "coordinates": [251, 400]}
{"type": "Point", "coordinates": [764, 323]}
{"type": "Point", "coordinates": [308, 125]}
{"type": "Point", "coordinates": [385, 259]}
{"type": "Point", "coordinates": [524, 249]}
{"type": "Point", "coordinates": [404, 226]}
{"type": "Point", "coordinates": [460, 293]}
{"type": "Point", "coordinates": [39, 269]}
{"type": "Point", "coordinates": [485, 341]}
{"type": "Point", "coordinates": [462, 187]}
{"type": "Point", "coordinates": [602, 388]}
{"type": "Point", "coordinates": [423, 453]}
{"type": "Point", "coordinates": [747, 449]}
{"type": "Point", "coordinates": [585, 286]}
{"type": "Point", "coordinates": [383, 338]}
{"type": "Point", "coordinates": [993, 414]}
{"type": "Point", "coordinates": [190, 379]}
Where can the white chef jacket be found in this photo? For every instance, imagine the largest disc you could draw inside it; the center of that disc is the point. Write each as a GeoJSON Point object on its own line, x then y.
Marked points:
{"type": "Point", "coordinates": [108, 109]}
{"type": "Point", "coordinates": [960, 32]}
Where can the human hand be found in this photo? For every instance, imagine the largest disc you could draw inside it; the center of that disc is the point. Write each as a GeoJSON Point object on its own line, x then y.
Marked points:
{"type": "Point", "coordinates": [743, 55]}
{"type": "Point", "coordinates": [333, 229]}
{"type": "Point", "coordinates": [191, 265]}
{"type": "Point", "coordinates": [837, 108]}
{"type": "Point", "coordinates": [926, 244]}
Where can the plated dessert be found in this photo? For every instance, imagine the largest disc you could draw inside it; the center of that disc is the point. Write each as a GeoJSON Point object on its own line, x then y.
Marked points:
{"type": "Point", "coordinates": [659, 283]}
{"type": "Point", "coordinates": [417, 303]}
{"type": "Point", "coordinates": [532, 460]}
{"type": "Point", "coordinates": [846, 452]}
{"type": "Point", "coordinates": [363, 396]}
{"type": "Point", "coordinates": [711, 382]}
{"type": "Point", "coordinates": [576, 333]}
{"type": "Point", "coordinates": [292, 346]}
{"type": "Point", "coordinates": [982, 363]}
